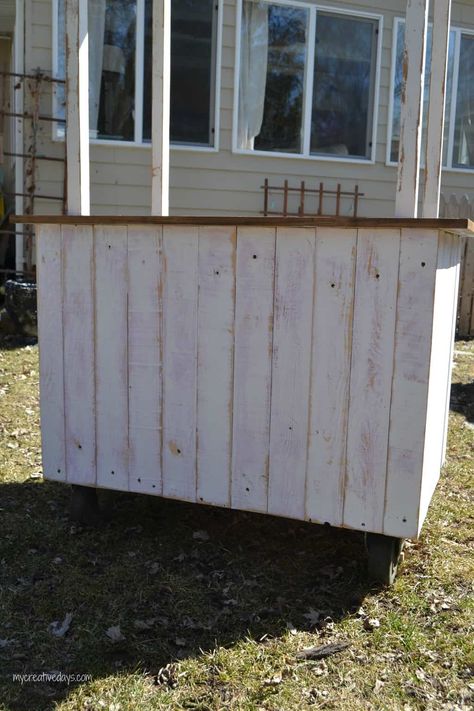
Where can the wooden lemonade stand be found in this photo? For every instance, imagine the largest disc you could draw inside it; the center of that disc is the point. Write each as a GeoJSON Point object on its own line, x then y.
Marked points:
{"type": "Point", "coordinates": [291, 366]}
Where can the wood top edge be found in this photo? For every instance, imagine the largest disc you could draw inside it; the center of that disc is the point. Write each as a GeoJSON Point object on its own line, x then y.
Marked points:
{"type": "Point", "coordinates": [449, 224]}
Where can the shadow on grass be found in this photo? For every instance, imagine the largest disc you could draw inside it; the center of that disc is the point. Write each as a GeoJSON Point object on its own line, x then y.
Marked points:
{"type": "Point", "coordinates": [149, 571]}
{"type": "Point", "coordinates": [14, 342]}
{"type": "Point", "coordinates": [462, 399]}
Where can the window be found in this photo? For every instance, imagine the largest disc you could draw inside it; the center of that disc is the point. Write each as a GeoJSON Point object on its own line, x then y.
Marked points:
{"type": "Point", "coordinates": [120, 50]}
{"type": "Point", "coordinates": [306, 80]}
{"type": "Point", "coordinates": [458, 148]}
{"type": "Point", "coordinates": [282, 95]}
{"type": "Point", "coordinates": [463, 148]}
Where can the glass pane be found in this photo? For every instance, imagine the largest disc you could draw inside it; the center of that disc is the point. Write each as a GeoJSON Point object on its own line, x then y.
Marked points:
{"type": "Point", "coordinates": [343, 85]}
{"type": "Point", "coordinates": [426, 97]}
{"type": "Point", "coordinates": [449, 95]}
{"type": "Point", "coordinates": [111, 68]}
{"type": "Point", "coordinates": [272, 67]}
{"type": "Point", "coordinates": [447, 100]}
{"type": "Point", "coordinates": [192, 78]}
{"type": "Point", "coordinates": [464, 125]}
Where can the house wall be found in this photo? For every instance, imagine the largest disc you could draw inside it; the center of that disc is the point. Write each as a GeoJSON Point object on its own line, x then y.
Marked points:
{"type": "Point", "coordinates": [5, 121]}
{"type": "Point", "coordinates": [7, 16]}
{"type": "Point", "coordinates": [223, 182]}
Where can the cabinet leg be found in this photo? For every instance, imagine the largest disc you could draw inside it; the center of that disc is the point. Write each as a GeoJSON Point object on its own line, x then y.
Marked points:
{"type": "Point", "coordinates": [84, 507]}
{"type": "Point", "coordinates": [383, 557]}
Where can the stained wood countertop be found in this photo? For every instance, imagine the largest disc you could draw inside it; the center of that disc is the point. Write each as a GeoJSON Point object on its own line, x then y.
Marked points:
{"type": "Point", "coordinates": [459, 225]}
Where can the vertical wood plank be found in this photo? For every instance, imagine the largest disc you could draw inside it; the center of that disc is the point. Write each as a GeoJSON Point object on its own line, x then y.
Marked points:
{"type": "Point", "coordinates": [144, 358]}
{"type": "Point", "coordinates": [411, 118]}
{"type": "Point", "coordinates": [440, 367]}
{"type": "Point", "coordinates": [77, 108]}
{"type": "Point", "coordinates": [216, 311]}
{"type": "Point", "coordinates": [293, 312]}
{"type": "Point", "coordinates": [50, 341]}
{"type": "Point", "coordinates": [371, 377]}
{"type": "Point", "coordinates": [111, 356]}
{"type": "Point", "coordinates": [79, 360]}
{"type": "Point", "coordinates": [180, 289]}
{"type": "Point", "coordinates": [436, 108]}
{"type": "Point", "coordinates": [330, 373]}
{"type": "Point", "coordinates": [252, 367]}
{"type": "Point", "coordinates": [414, 323]}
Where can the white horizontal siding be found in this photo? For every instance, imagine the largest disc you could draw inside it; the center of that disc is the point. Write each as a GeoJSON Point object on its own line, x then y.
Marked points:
{"type": "Point", "coordinates": [7, 15]}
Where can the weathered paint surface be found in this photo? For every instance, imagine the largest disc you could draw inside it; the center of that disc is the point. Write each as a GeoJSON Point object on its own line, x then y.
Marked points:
{"type": "Point", "coordinates": [77, 108]}
{"type": "Point", "coordinates": [160, 109]}
{"type": "Point", "coordinates": [436, 107]}
{"type": "Point", "coordinates": [299, 371]}
{"type": "Point", "coordinates": [447, 275]}
{"type": "Point", "coordinates": [411, 118]}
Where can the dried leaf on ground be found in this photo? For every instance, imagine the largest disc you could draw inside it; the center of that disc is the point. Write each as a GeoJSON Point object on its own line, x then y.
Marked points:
{"type": "Point", "coordinates": [167, 676]}
{"type": "Point", "coordinates": [114, 633]}
{"type": "Point", "coordinates": [59, 629]}
{"type": "Point", "coordinates": [371, 624]}
{"type": "Point", "coordinates": [274, 681]}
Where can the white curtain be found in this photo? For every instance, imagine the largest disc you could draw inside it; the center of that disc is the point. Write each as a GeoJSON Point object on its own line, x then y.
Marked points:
{"type": "Point", "coordinates": [96, 23]}
{"type": "Point", "coordinates": [466, 138]}
{"type": "Point", "coordinates": [253, 71]}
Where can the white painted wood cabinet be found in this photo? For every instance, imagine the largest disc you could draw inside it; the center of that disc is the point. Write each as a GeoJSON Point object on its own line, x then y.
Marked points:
{"type": "Point", "coordinates": [293, 367]}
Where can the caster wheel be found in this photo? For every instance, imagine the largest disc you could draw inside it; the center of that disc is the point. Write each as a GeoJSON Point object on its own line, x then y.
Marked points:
{"type": "Point", "coordinates": [383, 557]}
{"type": "Point", "coordinates": [84, 507]}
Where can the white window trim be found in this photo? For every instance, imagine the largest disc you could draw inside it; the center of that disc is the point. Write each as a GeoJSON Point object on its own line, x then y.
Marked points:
{"type": "Point", "coordinates": [138, 141]}
{"type": "Point", "coordinates": [452, 108]}
{"type": "Point", "coordinates": [306, 155]}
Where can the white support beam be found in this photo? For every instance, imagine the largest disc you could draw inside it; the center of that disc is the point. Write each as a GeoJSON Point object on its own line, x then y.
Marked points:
{"type": "Point", "coordinates": [77, 108]}
{"type": "Point", "coordinates": [160, 112]}
{"type": "Point", "coordinates": [436, 110]}
{"type": "Point", "coordinates": [411, 119]}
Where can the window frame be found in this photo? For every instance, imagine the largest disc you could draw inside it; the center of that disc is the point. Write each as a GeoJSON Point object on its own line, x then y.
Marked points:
{"type": "Point", "coordinates": [313, 9]}
{"type": "Point", "coordinates": [138, 141]}
{"type": "Point", "coordinates": [458, 31]}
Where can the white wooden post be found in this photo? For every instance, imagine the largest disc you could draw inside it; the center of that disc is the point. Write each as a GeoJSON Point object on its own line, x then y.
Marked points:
{"type": "Point", "coordinates": [436, 109]}
{"type": "Point", "coordinates": [77, 108]}
{"type": "Point", "coordinates": [411, 119]}
{"type": "Point", "coordinates": [160, 112]}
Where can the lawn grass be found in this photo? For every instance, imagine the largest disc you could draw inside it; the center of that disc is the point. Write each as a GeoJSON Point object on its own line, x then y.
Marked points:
{"type": "Point", "coordinates": [214, 621]}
